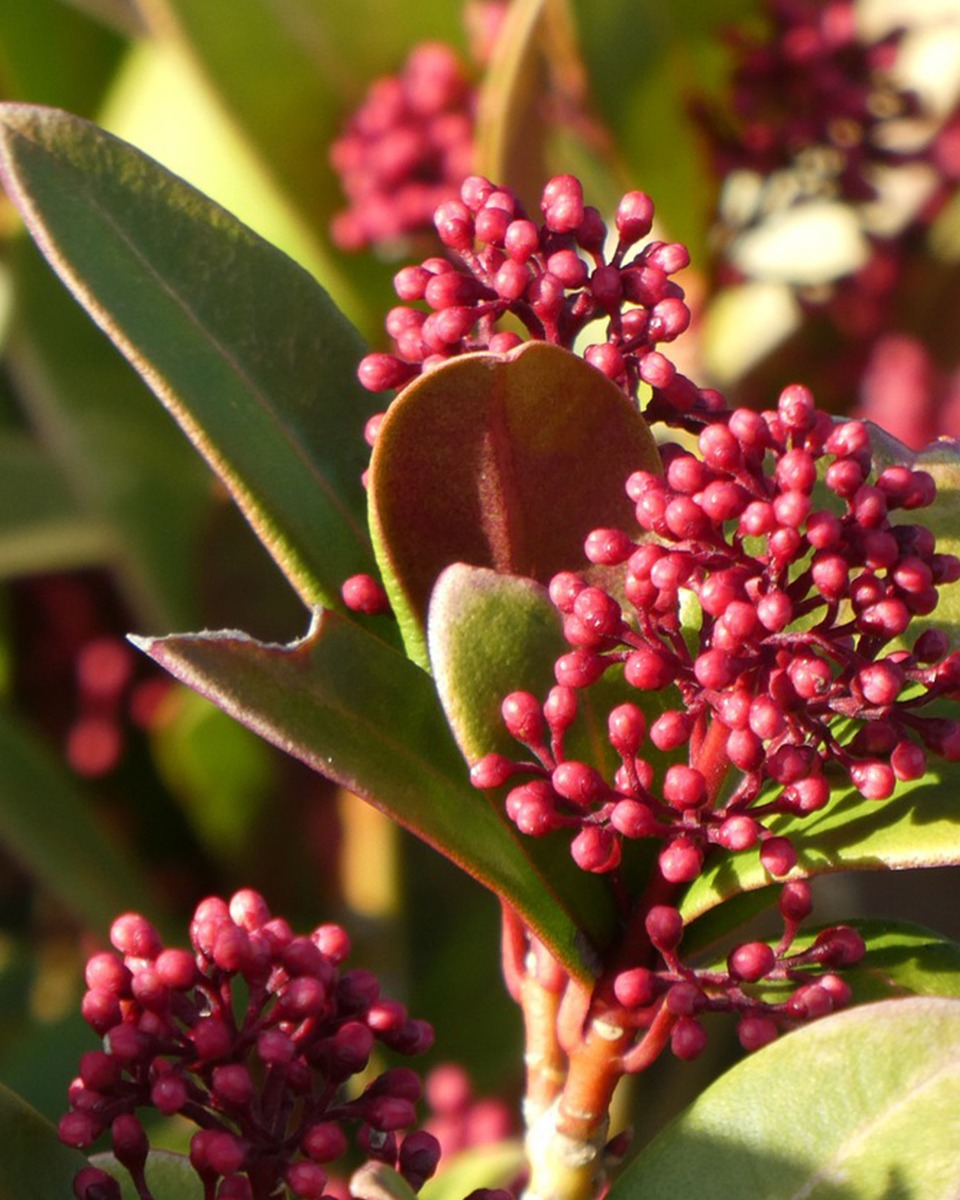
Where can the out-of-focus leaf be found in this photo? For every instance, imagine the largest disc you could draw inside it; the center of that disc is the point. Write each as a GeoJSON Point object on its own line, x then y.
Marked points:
{"type": "Point", "coordinates": [288, 75]}
{"type": "Point", "coordinates": [377, 1181]}
{"type": "Point", "coordinates": [364, 716]}
{"type": "Point", "coordinates": [120, 453]}
{"type": "Point", "coordinates": [286, 71]}
{"type": "Point", "coordinates": [646, 61]}
{"type": "Point", "coordinates": [218, 770]}
{"type": "Point", "coordinates": [864, 1105]}
{"type": "Point", "coordinates": [42, 528]}
{"type": "Point", "coordinates": [34, 1163]}
{"type": "Point", "coordinates": [46, 824]}
{"type": "Point", "coordinates": [916, 828]}
{"type": "Point", "coordinates": [52, 54]}
{"type": "Point", "coordinates": [169, 1176]}
{"type": "Point", "coordinates": [161, 104]}
{"type": "Point", "coordinates": [243, 347]}
{"type": "Point", "coordinates": [533, 88]}
{"type": "Point", "coordinates": [501, 462]}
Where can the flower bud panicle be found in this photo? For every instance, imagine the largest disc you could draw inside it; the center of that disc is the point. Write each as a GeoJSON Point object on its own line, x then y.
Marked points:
{"type": "Point", "coordinates": [174, 1041]}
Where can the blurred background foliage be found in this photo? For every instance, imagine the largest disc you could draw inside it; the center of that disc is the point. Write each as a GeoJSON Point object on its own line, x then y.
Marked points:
{"type": "Point", "coordinates": [119, 790]}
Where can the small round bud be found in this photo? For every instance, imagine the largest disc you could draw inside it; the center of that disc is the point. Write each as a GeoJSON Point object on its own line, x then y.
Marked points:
{"type": "Point", "coordinates": [688, 1038]}
{"type": "Point", "coordinates": [751, 961]}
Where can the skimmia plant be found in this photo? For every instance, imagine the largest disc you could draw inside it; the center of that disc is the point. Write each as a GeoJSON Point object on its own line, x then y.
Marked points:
{"type": "Point", "coordinates": [641, 658]}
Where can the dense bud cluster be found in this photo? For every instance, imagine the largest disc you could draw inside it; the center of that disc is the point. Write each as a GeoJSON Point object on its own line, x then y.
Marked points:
{"type": "Point", "coordinates": [555, 277]}
{"type": "Point", "coordinates": [255, 1035]}
{"type": "Point", "coordinates": [809, 97]}
{"type": "Point", "coordinates": [405, 150]}
{"type": "Point", "coordinates": [796, 671]}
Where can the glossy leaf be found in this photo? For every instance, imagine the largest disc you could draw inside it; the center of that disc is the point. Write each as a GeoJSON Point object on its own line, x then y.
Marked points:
{"type": "Point", "coordinates": [901, 959]}
{"type": "Point", "coordinates": [169, 1176]}
{"type": "Point", "coordinates": [34, 1163]}
{"type": "Point", "coordinates": [941, 459]}
{"type": "Point", "coordinates": [502, 462]}
{"type": "Point", "coordinates": [491, 634]}
{"type": "Point", "coordinates": [364, 716]}
{"type": "Point", "coordinates": [916, 828]}
{"type": "Point", "coordinates": [904, 959]}
{"type": "Point", "coordinates": [864, 1105]}
{"type": "Point", "coordinates": [42, 527]}
{"type": "Point", "coordinates": [47, 825]}
{"type": "Point", "coordinates": [243, 347]}
{"type": "Point", "coordinates": [98, 418]}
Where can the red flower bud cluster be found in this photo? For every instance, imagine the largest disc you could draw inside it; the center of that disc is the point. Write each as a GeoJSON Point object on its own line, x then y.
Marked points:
{"type": "Point", "coordinates": [406, 149]}
{"type": "Point", "coordinates": [555, 278]}
{"type": "Point", "coordinates": [767, 987]}
{"type": "Point", "coordinates": [251, 1035]}
{"type": "Point", "coordinates": [809, 97]}
{"type": "Point", "coordinates": [794, 666]}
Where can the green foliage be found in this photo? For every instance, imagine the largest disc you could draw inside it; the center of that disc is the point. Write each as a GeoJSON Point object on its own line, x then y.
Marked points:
{"type": "Point", "coordinates": [860, 1107]}
{"type": "Point", "coordinates": [168, 1175]}
{"type": "Point", "coordinates": [351, 707]}
{"type": "Point", "coordinates": [486, 475]}
{"type": "Point", "coordinates": [35, 1165]}
{"type": "Point", "coordinates": [47, 823]}
{"type": "Point", "coordinates": [242, 346]}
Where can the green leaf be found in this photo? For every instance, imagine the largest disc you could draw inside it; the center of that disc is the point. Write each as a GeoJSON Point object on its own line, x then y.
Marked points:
{"type": "Point", "coordinates": [903, 959]}
{"type": "Point", "coordinates": [941, 459]}
{"type": "Point", "coordinates": [646, 60]}
{"type": "Point", "coordinates": [503, 462]}
{"type": "Point", "coordinates": [491, 634]}
{"type": "Point", "coordinates": [47, 825]}
{"type": "Point", "coordinates": [864, 1105]}
{"type": "Point", "coordinates": [490, 1166]}
{"type": "Point", "coordinates": [916, 828]}
{"type": "Point", "coordinates": [98, 419]}
{"type": "Point", "coordinates": [169, 1176]}
{"type": "Point", "coordinates": [246, 351]}
{"type": "Point", "coordinates": [286, 73]}
{"type": "Point", "coordinates": [366, 717]}
{"type": "Point", "coordinates": [220, 773]}
{"type": "Point", "coordinates": [43, 32]}
{"type": "Point", "coordinates": [34, 1163]}
{"type": "Point", "coordinates": [41, 525]}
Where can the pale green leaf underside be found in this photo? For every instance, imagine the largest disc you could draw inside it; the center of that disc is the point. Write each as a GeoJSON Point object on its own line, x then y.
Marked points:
{"type": "Point", "coordinates": [169, 1176]}
{"type": "Point", "coordinates": [916, 828]}
{"type": "Point", "coordinates": [864, 1105]}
